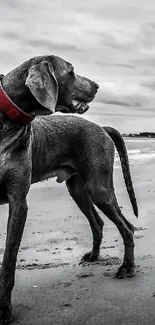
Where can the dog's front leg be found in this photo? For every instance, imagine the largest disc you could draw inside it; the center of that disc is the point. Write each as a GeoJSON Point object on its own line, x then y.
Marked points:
{"type": "Point", "coordinates": [16, 222]}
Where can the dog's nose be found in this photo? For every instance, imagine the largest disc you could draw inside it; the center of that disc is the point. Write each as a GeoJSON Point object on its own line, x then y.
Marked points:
{"type": "Point", "coordinates": [96, 85]}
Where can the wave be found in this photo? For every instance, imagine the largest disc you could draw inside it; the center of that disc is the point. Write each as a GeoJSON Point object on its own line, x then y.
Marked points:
{"type": "Point", "coordinates": [137, 156]}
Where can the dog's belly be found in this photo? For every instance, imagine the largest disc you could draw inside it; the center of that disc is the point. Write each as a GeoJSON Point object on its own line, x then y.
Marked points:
{"type": "Point", "coordinates": [62, 173]}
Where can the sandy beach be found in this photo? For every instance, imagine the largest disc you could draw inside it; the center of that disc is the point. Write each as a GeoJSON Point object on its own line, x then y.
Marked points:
{"type": "Point", "coordinates": [52, 288]}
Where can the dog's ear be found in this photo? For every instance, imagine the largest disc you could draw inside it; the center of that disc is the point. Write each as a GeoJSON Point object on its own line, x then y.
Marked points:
{"type": "Point", "coordinates": [43, 84]}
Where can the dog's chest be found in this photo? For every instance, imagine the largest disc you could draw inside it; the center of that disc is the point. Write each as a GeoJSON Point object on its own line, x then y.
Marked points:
{"type": "Point", "coordinates": [5, 162]}
{"type": "Point", "coordinates": [4, 158]}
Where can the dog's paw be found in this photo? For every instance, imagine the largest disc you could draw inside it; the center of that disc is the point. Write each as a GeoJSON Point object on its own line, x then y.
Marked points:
{"type": "Point", "coordinates": [125, 271]}
{"type": "Point", "coordinates": [89, 257]}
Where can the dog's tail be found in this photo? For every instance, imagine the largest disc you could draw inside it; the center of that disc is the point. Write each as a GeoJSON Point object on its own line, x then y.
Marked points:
{"type": "Point", "coordinates": [122, 151]}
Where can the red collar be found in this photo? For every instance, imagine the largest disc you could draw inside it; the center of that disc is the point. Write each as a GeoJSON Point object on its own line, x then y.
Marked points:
{"type": "Point", "coordinates": [12, 110]}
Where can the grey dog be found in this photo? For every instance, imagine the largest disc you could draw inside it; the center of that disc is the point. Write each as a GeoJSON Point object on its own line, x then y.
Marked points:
{"type": "Point", "coordinates": [71, 148]}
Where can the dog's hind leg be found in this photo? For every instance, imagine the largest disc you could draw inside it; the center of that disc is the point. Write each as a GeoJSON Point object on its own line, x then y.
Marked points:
{"type": "Point", "coordinates": [103, 196]}
{"type": "Point", "coordinates": [80, 196]}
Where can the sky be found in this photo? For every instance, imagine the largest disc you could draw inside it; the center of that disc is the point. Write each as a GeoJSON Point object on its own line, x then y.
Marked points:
{"type": "Point", "coordinates": [109, 41]}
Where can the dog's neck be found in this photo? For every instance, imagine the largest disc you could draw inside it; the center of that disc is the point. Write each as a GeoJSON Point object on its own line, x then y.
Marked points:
{"type": "Point", "coordinates": [15, 88]}
{"type": "Point", "coordinates": [11, 110]}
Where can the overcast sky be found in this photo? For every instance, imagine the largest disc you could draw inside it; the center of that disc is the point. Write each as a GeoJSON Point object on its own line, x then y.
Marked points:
{"type": "Point", "coordinates": [110, 41]}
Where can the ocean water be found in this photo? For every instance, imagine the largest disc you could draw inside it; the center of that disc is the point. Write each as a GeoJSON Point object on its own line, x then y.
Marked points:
{"type": "Point", "coordinates": [140, 151]}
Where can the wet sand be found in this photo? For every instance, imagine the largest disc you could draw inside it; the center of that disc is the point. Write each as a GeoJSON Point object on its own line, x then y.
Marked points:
{"type": "Point", "coordinates": [52, 288]}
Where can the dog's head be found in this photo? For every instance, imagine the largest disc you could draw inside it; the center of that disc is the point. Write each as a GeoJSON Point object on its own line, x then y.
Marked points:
{"type": "Point", "coordinates": [54, 84]}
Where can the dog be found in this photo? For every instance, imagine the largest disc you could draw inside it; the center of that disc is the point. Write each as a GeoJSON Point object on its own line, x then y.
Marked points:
{"type": "Point", "coordinates": [79, 152]}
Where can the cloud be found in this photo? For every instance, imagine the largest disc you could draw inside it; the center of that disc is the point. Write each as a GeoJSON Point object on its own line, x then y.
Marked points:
{"type": "Point", "coordinates": [50, 45]}
{"type": "Point", "coordinates": [128, 94]}
{"type": "Point", "coordinates": [149, 84]}
{"type": "Point", "coordinates": [111, 42]}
